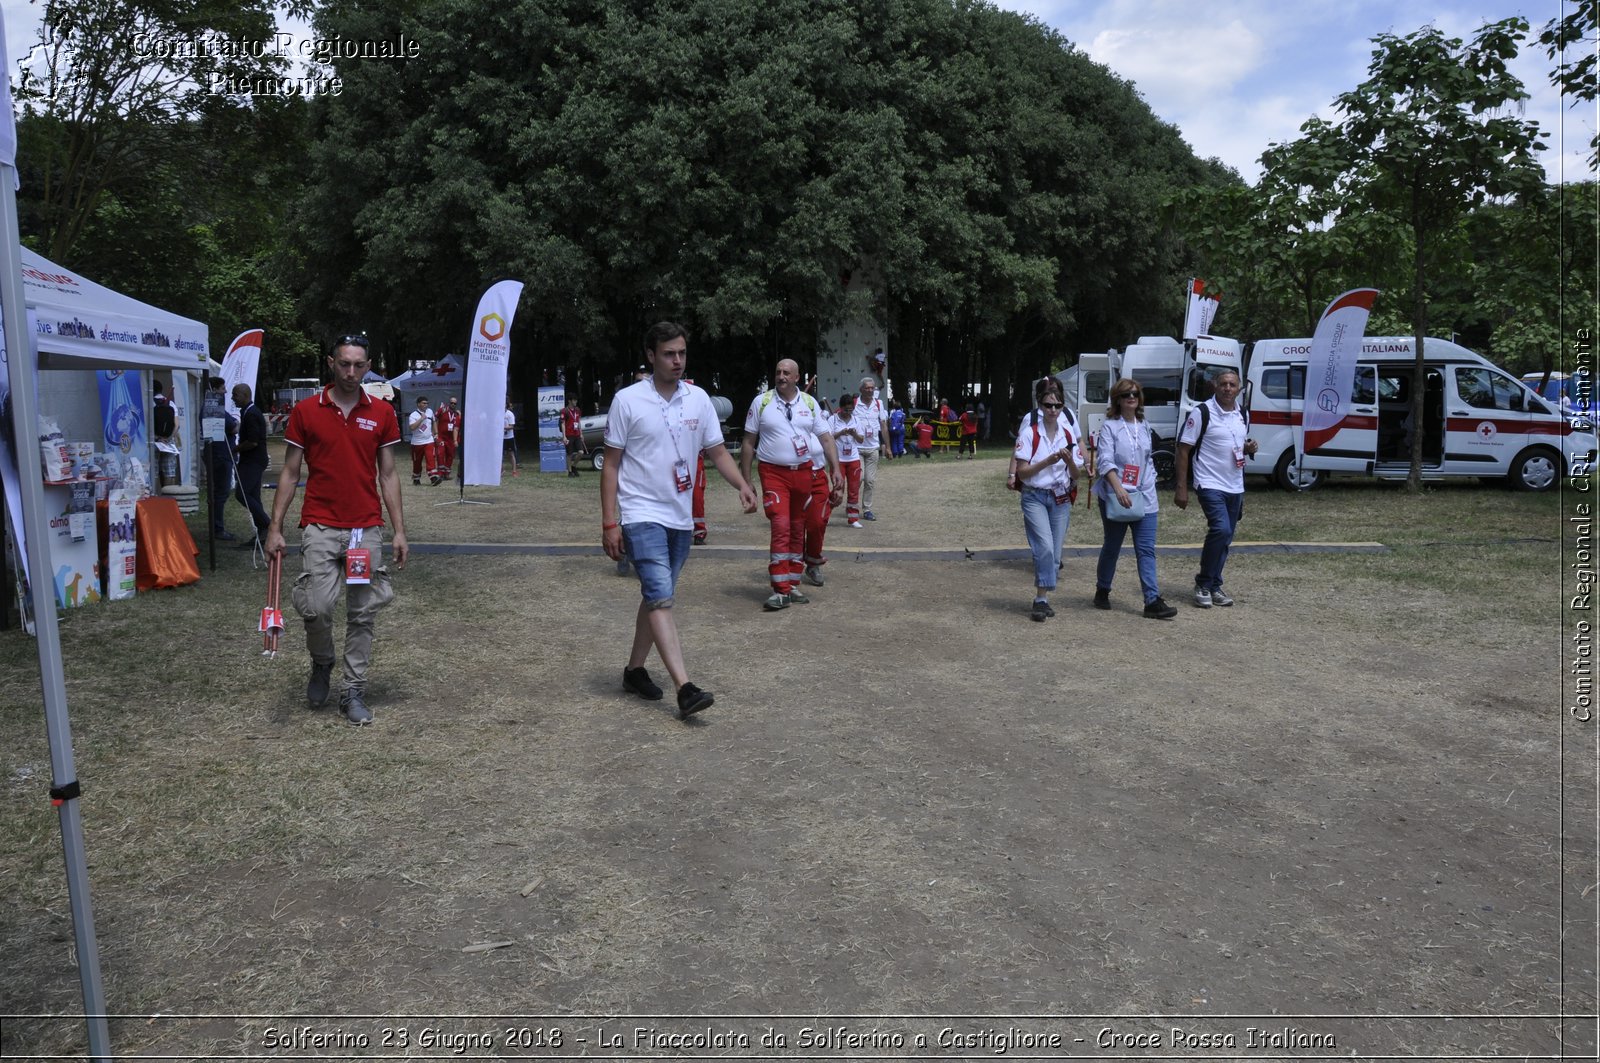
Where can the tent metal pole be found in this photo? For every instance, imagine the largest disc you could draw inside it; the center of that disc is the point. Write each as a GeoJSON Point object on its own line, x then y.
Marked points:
{"type": "Point", "coordinates": [24, 365]}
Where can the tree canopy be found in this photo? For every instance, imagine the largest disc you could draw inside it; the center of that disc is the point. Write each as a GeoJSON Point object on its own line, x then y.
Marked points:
{"type": "Point", "coordinates": [726, 163]}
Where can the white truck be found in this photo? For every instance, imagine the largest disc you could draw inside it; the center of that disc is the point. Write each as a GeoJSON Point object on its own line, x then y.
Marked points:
{"type": "Point", "coordinates": [1174, 375]}
{"type": "Point", "coordinates": [1477, 419]}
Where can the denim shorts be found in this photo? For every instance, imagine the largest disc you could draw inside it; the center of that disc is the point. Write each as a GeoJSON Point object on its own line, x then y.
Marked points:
{"type": "Point", "coordinates": [658, 554]}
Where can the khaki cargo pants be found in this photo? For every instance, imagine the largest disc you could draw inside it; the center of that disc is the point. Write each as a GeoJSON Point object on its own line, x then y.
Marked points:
{"type": "Point", "coordinates": [315, 595]}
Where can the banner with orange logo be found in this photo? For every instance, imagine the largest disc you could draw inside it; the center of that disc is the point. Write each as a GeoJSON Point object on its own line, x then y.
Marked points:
{"type": "Point", "coordinates": [483, 422]}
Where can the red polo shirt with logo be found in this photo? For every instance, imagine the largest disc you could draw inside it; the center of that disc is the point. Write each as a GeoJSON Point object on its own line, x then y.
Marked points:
{"type": "Point", "coordinates": [342, 485]}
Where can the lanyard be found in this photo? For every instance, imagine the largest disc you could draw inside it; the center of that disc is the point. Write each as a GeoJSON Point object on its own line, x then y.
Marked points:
{"type": "Point", "coordinates": [673, 431]}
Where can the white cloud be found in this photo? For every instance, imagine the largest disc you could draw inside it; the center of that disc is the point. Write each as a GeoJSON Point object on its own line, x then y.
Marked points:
{"type": "Point", "coordinates": [1178, 64]}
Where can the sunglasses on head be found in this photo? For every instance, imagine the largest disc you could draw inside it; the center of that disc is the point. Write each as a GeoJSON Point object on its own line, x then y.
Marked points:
{"type": "Point", "coordinates": [350, 341]}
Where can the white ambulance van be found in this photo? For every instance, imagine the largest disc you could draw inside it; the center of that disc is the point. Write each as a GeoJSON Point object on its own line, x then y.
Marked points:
{"type": "Point", "coordinates": [1478, 420]}
{"type": "Point", "coordinates": [1173, 375]}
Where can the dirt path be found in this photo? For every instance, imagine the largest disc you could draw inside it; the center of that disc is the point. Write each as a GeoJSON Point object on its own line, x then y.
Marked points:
{"type": "Point", "coordinates": [1331, 800]}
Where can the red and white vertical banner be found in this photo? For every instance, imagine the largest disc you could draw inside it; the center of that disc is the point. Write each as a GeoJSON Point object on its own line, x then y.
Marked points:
{"type": "Point", "coordinates": [488, 359]}
{"type": "Point", "coordinates": [242, 364]}
{"type": "Point", "coordinates": [1202, 310]}
{"type": "Point", "coordinates": [1331, 365]}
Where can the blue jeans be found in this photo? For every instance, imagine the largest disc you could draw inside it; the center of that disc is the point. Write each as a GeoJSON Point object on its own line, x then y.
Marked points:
{"type": "Point", "coordinates": [1144, 551]}
{"type": "Point", "coordinates": [658, 554]}
{"type": "Point", "coordinates": [1046, 526]}
{"type": "Point", "coordinates": [1222, 511]}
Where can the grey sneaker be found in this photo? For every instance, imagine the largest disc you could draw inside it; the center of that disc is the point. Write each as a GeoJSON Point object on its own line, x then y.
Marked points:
{"type": "Point", "coordinates": [354, 706]}
{"type": "Point", "coordinates": [776, 602]}
{"type": "Point", "coordinates": [796, 598]}
{"type": "Point", "coordinates": [1202, 598]}
{"type": "Point", "coordinates": [1218, 598]}
{"type": "Point", "coordinates": [320, 684]}
{"type": "Point", "coordinates": [814, 575]}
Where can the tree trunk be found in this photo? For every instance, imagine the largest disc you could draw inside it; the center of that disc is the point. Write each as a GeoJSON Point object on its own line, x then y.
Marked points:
{"type": "Point", "coordinates": [1419, 372]}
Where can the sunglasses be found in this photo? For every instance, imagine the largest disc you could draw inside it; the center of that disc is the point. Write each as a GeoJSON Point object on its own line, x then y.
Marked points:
{"type": "Point", "coordinates": [351, 341]}
{"type": "Point", "coordinates": [1128, 395]}
{"type": "Point", "coordinates": [1051, 405]}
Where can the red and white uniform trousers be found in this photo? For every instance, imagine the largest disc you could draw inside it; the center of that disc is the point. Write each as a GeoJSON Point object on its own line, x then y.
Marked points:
{"type": "Point", "coordinates": [818, 510]}
{"type": "Point", "coordinates": [852, 489]}
{"type": "Point", "coordinates": [785, 497]}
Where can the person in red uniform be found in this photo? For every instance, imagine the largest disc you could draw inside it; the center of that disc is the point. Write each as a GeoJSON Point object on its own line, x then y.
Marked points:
{"type": "Point", "coordinates": [348, 439]}
{"type": "Point", "coordinates": [448, 424]}
{"type": "Point", "coordinates": [572, 432]}
{"type": "Point", "coordinates": [969, 432]}
{"type": "Point", "coordinates": [778, 430]}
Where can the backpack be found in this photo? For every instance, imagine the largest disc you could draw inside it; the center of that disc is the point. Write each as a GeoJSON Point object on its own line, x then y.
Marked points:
{"type": "Point", "coordinates": [164, 420]}
{"type": "Point", "coordinates": [768, 395]}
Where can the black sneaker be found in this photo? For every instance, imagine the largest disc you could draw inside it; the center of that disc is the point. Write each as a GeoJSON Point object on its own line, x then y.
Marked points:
{"type": "Point", "coordinates": [1102, 598]}
{"type": "Point", "coordinates": [318, 686]}
{"type": "Point", "coordinates": [1158, 609]}
{"type": "Point", "coordinates": [638, 680]}
{"type": "Point", "coordinates": [1041, 609]}
{"type": "Point", "coordinates": [691, 699]}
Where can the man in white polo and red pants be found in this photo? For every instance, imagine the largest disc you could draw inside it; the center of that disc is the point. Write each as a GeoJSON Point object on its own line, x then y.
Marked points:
{"type": "Point", "coordinates": [348, 438]}
{"type": "Point", "coordinates": [778, 430]}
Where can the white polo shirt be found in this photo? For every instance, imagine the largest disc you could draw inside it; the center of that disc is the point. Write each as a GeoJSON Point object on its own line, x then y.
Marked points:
{"type": "Point", "coordinates": [869, 418]}
{"type": "Point", "coordinates": [785, 427]}
{"type": "Point", "coordinates": [849, 449]}
{"type": "Point", "coordinates": [1217, 461]}
{"type": "Point", "coordinates": [654, 435]}
{"type": "Point", "coordinates": [421, 424]}
{"type": "Point", "coordinates": [1053, 477]}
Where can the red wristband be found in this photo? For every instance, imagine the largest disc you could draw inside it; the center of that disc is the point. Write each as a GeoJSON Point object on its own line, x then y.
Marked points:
{"type": "Point", "coordinates": [607, 527]}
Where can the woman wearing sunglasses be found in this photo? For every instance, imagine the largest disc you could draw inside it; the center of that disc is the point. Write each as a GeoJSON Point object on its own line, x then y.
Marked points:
{"type": "Point", "coordinates": [1045, 467]}
{"type": "Point", "coordinates": [1125, 486]}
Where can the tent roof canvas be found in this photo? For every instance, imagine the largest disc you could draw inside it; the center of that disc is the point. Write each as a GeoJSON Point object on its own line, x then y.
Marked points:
{"type": "Point", "coordinates": [446, 373]}
{"type": "Point", "coordinates": [84, 325]}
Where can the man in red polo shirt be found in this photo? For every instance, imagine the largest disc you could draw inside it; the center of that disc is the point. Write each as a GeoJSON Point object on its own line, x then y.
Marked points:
{"type": "Point", "coordinates": [348, 438]}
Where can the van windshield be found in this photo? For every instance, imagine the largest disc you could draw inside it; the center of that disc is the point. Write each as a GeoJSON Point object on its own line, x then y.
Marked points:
{"type": "Point", "coordinates": [1200, 388]}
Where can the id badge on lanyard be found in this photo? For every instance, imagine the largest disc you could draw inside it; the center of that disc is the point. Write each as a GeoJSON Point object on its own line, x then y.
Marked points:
{"type": "Point", "coordinates": [802, 447]}
{"type": "Point", "coordinates": [357, 560]}
{"type": "Point", "coordinates": [1130, 475]}
{"type": "Point", "coordinates": [680, 476]}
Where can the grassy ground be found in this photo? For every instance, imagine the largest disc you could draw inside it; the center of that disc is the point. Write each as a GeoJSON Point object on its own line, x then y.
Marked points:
{"type": "Point", "coordinates": [1353, 793]}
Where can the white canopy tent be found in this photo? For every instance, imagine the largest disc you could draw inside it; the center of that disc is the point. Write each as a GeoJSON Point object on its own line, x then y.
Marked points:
{"type": "Point", "coordinates": [74, 323]}
{"type": "Point", "coordinates": [446, 379]}
{"type": "Point", "coordinates": [79, 324]}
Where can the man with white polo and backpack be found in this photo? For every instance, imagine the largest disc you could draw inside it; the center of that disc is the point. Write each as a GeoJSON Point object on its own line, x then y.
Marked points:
{"type": "Point", "coordinates": [778, 431]}
{"type": "Point", "coordinates": [1216, 436]}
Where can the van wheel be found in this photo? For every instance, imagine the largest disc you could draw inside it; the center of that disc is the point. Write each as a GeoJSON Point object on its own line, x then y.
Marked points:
{"type": "Point", "coordinates": [1166, 463]}
{"type": "Point", "coordinates": [1535, 469]}
{"type": "Point", "coordinates": [598, 460]}
{"type": "Point", "coordinates": [1291, 477]}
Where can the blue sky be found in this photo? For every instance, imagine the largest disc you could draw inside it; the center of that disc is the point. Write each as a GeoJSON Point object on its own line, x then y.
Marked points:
{"type": "Point", "coordinates": [1237, 75]}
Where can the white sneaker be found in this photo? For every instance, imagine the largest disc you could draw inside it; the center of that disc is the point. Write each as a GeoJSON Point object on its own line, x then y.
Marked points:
{"type": "Point", "coordinates": [1202, 598]}
{"type": "Point", "coordinates": [776, 602]}
{"type": "Point", "coordinates": [1218, 598]}
{"type": "Point", "coordinates": [857, 524]}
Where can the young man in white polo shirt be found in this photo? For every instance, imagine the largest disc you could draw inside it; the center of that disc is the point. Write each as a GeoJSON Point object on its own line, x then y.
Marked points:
{"type": "Point", "coordinates": [1219, 440]}
{"type": "Point", "coordinates": [655, 431]}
